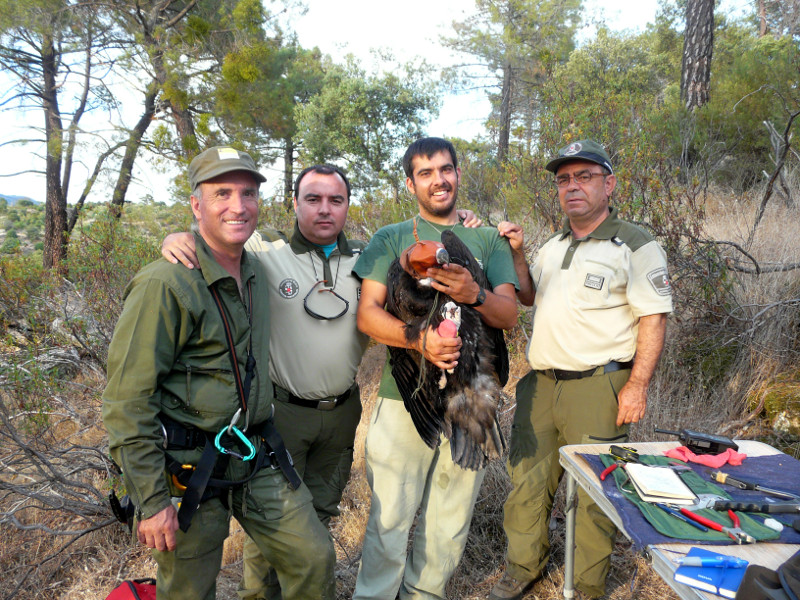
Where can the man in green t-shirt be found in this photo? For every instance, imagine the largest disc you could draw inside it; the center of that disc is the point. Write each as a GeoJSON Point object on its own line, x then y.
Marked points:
{"type": "Point", "coordinates": [404, 474]}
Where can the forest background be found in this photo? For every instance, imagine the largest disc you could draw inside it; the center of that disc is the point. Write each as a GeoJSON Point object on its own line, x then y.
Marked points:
{"type": "Point", "coordinates": [698, 111]}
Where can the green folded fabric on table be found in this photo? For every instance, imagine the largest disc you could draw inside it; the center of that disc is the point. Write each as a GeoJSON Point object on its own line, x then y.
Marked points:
{"type": "Point", "coordinates": [667, 524]}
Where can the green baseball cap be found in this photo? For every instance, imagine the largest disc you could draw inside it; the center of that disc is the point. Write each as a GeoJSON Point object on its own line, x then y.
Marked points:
{"type": "Point", "coordinates": [218, 161]}
{"type": "Point", "coordinates": [581, 150]}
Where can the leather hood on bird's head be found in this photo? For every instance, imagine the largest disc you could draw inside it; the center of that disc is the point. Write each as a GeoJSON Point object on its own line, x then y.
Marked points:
{"type": "Point", "coordinates": [421, 256]}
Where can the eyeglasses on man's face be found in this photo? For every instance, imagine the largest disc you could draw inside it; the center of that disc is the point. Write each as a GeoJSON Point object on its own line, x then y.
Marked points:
{"type": "Point", "coordinates": [580, 177]}
{"type": "Point", "coordinates": [325, 307]}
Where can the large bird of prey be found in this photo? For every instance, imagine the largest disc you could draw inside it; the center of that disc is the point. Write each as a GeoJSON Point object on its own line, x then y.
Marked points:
{"type": "Point", "coordinates": [461, 403]}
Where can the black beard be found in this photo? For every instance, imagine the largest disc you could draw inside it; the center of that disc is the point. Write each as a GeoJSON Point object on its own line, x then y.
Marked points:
{"type": "Point", "coordinates": [438, 210]}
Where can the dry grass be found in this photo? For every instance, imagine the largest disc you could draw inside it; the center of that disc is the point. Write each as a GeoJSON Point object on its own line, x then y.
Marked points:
{"type": "Point", "coordinates": [755, 349]}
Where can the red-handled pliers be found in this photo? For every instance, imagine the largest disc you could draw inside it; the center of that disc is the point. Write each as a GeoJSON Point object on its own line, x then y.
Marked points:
{"type": "Point", "coordinates": [736, 533]}
{"type": "Point", "coordinates": [608, 470]}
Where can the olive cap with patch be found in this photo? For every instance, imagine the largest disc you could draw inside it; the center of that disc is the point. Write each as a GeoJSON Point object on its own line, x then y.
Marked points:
{"type": "Point", "coordinates": [581, 150]}
{"type": "Point", "coordinates": [219, 160]}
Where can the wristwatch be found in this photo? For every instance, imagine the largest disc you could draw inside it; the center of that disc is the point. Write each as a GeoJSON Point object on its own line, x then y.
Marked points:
{"type": "Point", "coordinates": [480, 299]}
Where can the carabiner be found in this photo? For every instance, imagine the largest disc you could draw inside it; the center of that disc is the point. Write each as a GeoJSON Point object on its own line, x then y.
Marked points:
{"type": "Point", "coordinates": [242, 438]}
{"type": "Point", "coordinates": [234, 420]}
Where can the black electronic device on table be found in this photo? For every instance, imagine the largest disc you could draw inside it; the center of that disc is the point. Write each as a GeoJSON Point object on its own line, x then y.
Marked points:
{"type": "Point", "coordinates": [702, 443]}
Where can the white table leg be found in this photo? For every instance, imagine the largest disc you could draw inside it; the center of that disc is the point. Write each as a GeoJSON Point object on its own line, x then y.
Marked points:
{"type": "Point", "coordinates": [569, 550]}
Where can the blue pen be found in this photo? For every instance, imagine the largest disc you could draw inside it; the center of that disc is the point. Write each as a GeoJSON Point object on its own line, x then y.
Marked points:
{"type": "Point", "coordinates": [723, 562]}
{"type": "Point", "coordinates": [678, 515]}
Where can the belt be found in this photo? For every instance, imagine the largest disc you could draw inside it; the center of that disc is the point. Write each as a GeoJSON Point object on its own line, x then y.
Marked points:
{"type": "Point", "coordinates": [324, 404]}
{"type": "Point", "coordinates": [560, 375]}
{"type": "Point", "coordinates": [178, 436]}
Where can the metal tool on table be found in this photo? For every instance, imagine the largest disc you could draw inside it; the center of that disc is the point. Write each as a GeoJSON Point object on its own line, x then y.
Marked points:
{"type": "Point", "coordinates": [702, 443]}
{"type": "Point", "coordinates": [743, 484]}
{"type": "Point", "coordinates": [716, 502]}
{"type": "Point", "coordinates": [736, 533]}
{"type": "Point", "coordinates": [767, 507]}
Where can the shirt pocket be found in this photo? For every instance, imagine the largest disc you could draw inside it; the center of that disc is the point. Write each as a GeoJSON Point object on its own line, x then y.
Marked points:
{"type": "Point", "coordinates": [205, 392]}
{"type": "Point", "coordinates": [597, 284]}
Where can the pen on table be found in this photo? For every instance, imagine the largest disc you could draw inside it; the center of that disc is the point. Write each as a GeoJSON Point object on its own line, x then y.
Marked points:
{"type": "Point", "coordinates": [723, 562]}
{"type": "Point", "coordinates": [678, 515]}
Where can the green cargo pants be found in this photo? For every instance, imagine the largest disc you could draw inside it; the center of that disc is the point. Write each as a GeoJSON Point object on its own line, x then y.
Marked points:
{"type": "Point", "coordinates": [551, 414]}
{"type": "Point", "coordinates": [321, 445]}
{"type": "Point", "coordinates": [281, 521]}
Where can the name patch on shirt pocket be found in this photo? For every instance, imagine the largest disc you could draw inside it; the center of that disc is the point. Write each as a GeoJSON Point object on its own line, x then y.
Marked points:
{"type": "Point", "coordinates": [593, 281]}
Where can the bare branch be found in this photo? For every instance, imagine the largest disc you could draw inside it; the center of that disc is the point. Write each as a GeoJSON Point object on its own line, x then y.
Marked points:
{"type": "Point", "coordinates": [778, 168]}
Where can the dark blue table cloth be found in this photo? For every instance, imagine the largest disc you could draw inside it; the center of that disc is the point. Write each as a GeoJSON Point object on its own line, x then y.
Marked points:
{"type": "Point", "coordinates": [778, 471]}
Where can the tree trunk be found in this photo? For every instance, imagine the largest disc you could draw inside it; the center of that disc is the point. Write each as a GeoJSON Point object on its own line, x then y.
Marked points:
{"type": "Point", "coordinates": [762, 18]}
{"type": "Point", "coordinates": [131, 150]}
{"type": "Point", "coordinates": [185, 127]}
{"type": "Point", "coordinates": [698, 42]}
{"type": "Point", "coordinates": [152, 24]}
{"type": "Point", "coordinates": [288, 173]}
{"type": "Point", "coordinates": [55, 214]}
{"type": "Point", "coordinates": [504, 132]}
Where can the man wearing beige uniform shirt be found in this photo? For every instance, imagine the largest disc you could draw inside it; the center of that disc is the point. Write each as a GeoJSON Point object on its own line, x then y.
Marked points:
{"type": "Point", "coordinates": [600, 296]}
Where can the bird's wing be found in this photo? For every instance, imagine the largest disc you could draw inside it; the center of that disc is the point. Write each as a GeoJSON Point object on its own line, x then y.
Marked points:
{"type": "Point", "coordinates": [426, 418]}
{"type": "Point", "coordinates": [501, 365]}
{"type": "Point", "coordinates": [461, 255]}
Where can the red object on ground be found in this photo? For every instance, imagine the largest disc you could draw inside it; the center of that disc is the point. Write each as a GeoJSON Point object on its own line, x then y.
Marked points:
{"type": "Point", "coordinates": [138, 589]}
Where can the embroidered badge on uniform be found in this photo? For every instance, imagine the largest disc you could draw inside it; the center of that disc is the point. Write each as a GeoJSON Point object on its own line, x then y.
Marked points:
{"type": "Point", "coordinates": [288, 288]}
{"type": "Point", "coordinates": [573, 149]}
{"type": "Point", "coordinates": [660, 281]}
{"type": "Point", "coordinates": [594, 281]}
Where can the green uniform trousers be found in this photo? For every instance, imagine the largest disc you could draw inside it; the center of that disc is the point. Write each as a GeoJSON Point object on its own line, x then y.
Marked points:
{"type": "Point", "coordinates": [321, 445]}
{"type": "Point", "coordinates": [405, 475]}
{"type": "Point", "coordinates": [281, 521]}
{"type": "Point", "coordinates": [551, 414]}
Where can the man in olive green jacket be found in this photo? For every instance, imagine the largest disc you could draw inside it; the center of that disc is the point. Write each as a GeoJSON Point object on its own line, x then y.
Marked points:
{"type": "Point", "coordinates": [169, 369]}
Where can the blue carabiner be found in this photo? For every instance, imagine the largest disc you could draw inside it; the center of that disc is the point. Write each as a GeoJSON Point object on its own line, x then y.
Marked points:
{"type": "Point", "coordinates": [243, 439]}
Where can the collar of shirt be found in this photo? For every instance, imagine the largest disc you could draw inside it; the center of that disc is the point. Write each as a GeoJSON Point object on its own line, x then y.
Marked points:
{"type": "Point", "coordinates": [212, 271]}
{"type": "Point", "coordinates": [605, 231]}
{"type": "Point", "coordinates": [301, 245]}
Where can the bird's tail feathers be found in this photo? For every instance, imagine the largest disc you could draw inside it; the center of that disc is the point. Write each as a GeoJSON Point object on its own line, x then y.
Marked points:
{"type": "Point", "coordinates": [471, 424]}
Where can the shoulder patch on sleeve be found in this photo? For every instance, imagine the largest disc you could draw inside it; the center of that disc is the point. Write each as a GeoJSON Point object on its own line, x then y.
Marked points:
{"type": "Point", "coordinates": [660, 281]}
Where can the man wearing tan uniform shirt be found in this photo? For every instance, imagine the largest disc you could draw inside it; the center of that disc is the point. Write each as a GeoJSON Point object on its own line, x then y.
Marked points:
{"type": "Point", "coordinates": [600, 296]}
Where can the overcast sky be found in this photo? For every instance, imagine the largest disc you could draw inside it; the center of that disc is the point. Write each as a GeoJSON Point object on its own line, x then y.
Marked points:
{"type": "Point", "coordinates": [409, 29]}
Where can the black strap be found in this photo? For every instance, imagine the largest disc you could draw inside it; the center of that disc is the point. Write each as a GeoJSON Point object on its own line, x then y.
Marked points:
{"type": "Point", "coordinates": [242, 388]}
{"type": "Point", "coordinates": [196, 486]}
{"type": "Point", "coordinates": [180, 436]}
{"type": "Point", "coordinates": [201, 485]}
{"type": "Point", "coordinates": [280, 453]}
